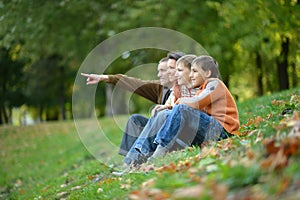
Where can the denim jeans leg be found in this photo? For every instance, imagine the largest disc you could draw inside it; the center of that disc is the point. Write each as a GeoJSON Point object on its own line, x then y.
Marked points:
{"type": "Point", "coordinates": [194, 124]}
{"type": "Point", "coordinates": [144, 146]}
{"type": "Point", "coordinates": [171, 128]}
{"type": "Point", "coordinates": [133, 129]}
{"type": "Point", "coordinates": [144, 143]}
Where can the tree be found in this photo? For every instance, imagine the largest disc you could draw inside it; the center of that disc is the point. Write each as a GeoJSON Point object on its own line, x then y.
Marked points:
{"type": "Point", "coordinates": [11, 83]}
{"type": "Point", "coordinates": [250, 39]}
{"type": "Point", "coordinates": [262, 28]}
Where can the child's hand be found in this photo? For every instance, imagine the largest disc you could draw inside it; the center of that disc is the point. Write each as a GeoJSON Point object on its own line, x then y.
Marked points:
{"type": "Point", "coordinates": [158, 108]}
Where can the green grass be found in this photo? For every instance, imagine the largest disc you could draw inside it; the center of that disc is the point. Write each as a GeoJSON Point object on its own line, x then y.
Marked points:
{"type": "Point", "coordinates": [49, 161]}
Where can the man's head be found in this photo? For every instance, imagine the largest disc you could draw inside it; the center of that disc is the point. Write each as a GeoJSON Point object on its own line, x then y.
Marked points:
{"type": "Point", "coordinates": [162, 73]}
{"type": "Point", "coordinates": [172, 58]}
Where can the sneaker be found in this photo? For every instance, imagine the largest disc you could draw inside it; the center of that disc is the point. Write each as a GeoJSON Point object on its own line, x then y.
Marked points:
{"type": "Point", "coordinates": [126, 169]}
{"type": "Point", "coordinates": [158, 153]}
{"type": "Point", "coordinates": [121, 173]}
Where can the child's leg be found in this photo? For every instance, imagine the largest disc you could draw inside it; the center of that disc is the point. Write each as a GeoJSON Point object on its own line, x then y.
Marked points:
{"type": "Point", "coordinates": [145, 144]}
{"type": "Point", "coordinates": [200, 126]}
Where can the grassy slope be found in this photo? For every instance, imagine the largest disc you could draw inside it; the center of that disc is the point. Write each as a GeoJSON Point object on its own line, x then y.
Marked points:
{"type": "Point", "coordinates": [48, 161]}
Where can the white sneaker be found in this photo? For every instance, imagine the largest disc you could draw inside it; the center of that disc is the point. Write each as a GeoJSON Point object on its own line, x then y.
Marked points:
{"type": "Point", "coordinates": [126, 168]}
{"type": "Point", "coordinates": [121, 173]}
{"type": "Point", "coordinates": [158, 153]}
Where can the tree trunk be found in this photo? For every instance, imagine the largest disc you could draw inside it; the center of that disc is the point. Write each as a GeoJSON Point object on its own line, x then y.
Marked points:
{"type": "Point", "coordinates": [108, 107]}
{"type": "Point", "coordinates": [41, 113]}
{"type": "Point", "coordinates": [115, 101]}
{"type": "Point", "coordinates": [1, 122]}
{"type": "Point", "coordinates": [259, 74]}
{"type": "Point", "coordinates": [282, 64]}
{"type": "Point", "coordinates": [294, 75]}
{"type": "Point", "coordinates": [4, 114]}
{"type": "Point", "coordinates": [62, 94]}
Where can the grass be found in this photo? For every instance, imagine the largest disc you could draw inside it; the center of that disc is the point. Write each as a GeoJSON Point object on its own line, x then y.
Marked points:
{"type": "Point", "coordinates": [49, 161]}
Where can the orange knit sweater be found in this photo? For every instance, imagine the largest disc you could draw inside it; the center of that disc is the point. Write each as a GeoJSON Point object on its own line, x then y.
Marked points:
{"type": "Point", "coordinates": [220, 104]}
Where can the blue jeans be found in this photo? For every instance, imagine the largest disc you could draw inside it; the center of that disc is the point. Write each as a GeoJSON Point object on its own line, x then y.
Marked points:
{"type": "Point", "coordinates": [133, 129]}
{"type": "Point", "coordinates": [193, 125]}
{"type": "Point", "coordinates": [143, 147]}
{"type": "Point", "coordinates": [190, 125]}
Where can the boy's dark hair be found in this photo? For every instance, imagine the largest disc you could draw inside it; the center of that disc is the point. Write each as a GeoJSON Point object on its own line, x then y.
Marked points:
{"type": "Point", "coordinates": [175, 55]}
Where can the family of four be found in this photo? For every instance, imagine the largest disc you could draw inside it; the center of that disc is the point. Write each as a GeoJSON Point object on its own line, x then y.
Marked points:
{"type": "Point", "coordinates": [194, 106]}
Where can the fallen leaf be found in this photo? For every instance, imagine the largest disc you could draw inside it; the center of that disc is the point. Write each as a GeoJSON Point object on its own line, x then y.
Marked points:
{"type": "Point", "coordinates": [250, 154]}
{"type": "Point", "coordinates": [152, 193]}
{"type": "Point", "coordinates": [275, 161]}
{"type": "Point", "coordinates": [295, 131]}
{"type": "Point", "coordinates": [238, 133]}
{"type": "Point", "coordinates": [259, 136]}
{"type": "Point", "coordinates": [76, 187]}
{"type": "Point", "coordinates": [283, 185]}
{"type": "Point", "coordinates": [219, 191]}
{"type": "Point", "coordinates": [258, 120]}
{"type": "Point", "coordinates": [224, 144]}
{"type": "Point", "coordinates": [250, 122]}
{"type": "Point", "coordinates": [125, 186]}
{"type": "Point", "coordinates": [157, 194]}
{"type": "Point", "coordinates": [171, 168]}
{"type": "Point", "coordinates": [295, 99]}
{"type": "Point", "coordinates": [62, 194]}
{"type": "Point", "coordinates": [148, 183]}
{"type": "Point", "coordinates": [271, 146]}
{"type": "Point", "coordinates": [188, 192]}
{"type": "Point", "coordinates": [137, 195]}
{"type": "Point", "coordinates": [99, 190]}
{"type": "Point", "coordinates": [209, 151]}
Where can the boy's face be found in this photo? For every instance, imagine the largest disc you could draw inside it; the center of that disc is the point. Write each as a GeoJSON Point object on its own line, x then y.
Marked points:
{"type": "Point", "coordinates": [198, 75]}
{"type": "Point", "coordinates": [172, 69]}
{"type": "Point", "coordinates": [183, 75]}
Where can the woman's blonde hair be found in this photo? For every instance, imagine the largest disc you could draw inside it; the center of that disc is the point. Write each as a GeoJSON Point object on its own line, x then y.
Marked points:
{"type": "Point", "coordinates": [186, 60]}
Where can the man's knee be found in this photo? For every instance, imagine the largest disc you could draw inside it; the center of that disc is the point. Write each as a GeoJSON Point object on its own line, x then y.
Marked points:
{"type": "Point", "coordinates": [137, 120]}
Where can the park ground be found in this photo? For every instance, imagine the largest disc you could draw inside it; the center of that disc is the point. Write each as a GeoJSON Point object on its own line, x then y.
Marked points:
{"type": "Point", "coordinates": [49, 161]}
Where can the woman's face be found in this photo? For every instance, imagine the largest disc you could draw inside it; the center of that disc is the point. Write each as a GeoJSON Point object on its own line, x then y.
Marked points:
{"type": "Point", "coordinates": [171, 69]}
{"type": "Point", "coordinates": [198, 75]}
{"type": "Point", "coordinates": [183, 75]}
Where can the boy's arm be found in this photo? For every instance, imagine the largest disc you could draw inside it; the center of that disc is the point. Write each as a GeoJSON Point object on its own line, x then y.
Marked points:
{"type": "Point", "coordinates": [204, 98]}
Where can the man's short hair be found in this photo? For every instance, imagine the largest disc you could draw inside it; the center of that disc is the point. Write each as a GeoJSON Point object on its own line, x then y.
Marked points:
{"type": "Point", "coordinates": [165, 59]}
{"type": "Point", "coordinates": [175, 55]}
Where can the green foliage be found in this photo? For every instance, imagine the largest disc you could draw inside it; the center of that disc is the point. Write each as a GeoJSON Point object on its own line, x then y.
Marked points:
{"type": "Point", "coordinates": [11, 81]}
{"type": "Point", "coordinates": [234, 32]}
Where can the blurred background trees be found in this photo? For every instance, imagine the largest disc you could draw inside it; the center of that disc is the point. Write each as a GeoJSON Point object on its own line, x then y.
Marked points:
{"type": "Point", "coordinates": [43, 43]}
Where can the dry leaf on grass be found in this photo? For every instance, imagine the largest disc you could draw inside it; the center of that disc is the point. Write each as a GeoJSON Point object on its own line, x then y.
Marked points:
{"type": "Point", "coordinates": [188, 192]}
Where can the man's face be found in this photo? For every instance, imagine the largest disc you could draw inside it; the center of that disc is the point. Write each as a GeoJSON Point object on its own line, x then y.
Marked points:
{"type": "Point", "coordinates": [162, 74]}
{"type": "Point", "coordinates": [172, 69]}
